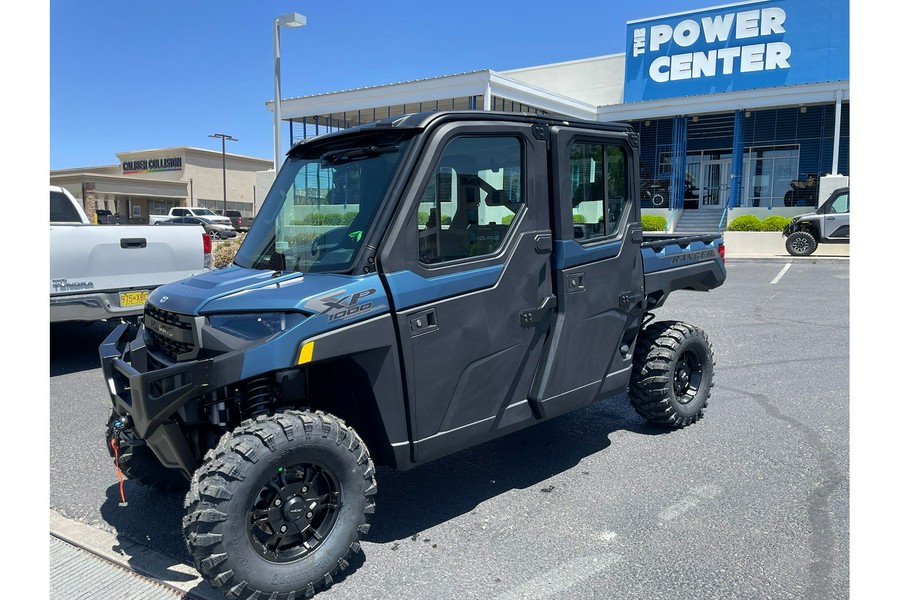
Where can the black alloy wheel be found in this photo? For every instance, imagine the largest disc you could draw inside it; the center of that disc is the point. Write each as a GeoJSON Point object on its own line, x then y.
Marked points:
{"type": "Point", "coordinates": [672, 374]}
{"type": "Point", "coordinates": [294, 512]}
{"type": "Point", "coordinates": [801, 243]}
{"type": "Point", "coordinates": [277, 507]}
{"type": "Point", "coordinates": [687, 377]}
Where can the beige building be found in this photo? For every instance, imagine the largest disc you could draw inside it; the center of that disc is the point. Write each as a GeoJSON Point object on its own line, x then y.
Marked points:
{"type": "Point", "coordinates": [150, 182]}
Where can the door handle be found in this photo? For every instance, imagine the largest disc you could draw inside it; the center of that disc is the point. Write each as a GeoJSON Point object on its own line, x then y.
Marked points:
{"type": "Point", "coordinates": [133, 242]}
{"type": "Point", "coordinates": [829, 218]}
{"type": "Point", "coordinates": [423, 322]}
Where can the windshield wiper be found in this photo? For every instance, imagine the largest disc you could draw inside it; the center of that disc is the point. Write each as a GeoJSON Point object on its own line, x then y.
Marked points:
{"type": "Point", "coordinates": [336, 157]}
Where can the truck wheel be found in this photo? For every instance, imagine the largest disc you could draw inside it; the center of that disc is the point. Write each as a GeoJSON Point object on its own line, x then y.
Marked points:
{"type": "Point", "coordinates": [672, 374]}
{"type": "Point", "coordinates": [276, 508]}
{"type": "Point", "coordinates": [801, 243]}
{"type": "Point", "coordinates": [140, 464]}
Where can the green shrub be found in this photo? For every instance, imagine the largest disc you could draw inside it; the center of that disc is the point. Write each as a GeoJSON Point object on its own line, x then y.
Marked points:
{"type": "Point", "coordinates": [347, 218]}
{"type": "Point", "coordinates": [423, 218]}
{"type": "Point", "coordinates": [745, 223]}
{"type": "Point", "coordinates": [774, 223]}
{"type": "Point", "coordinates": [223, 252]}
{"type": "Point", "coordinates": [578, 219]}
{"type": "Point", "coordinates": [445, 219]}
{"type": "Point", "coordinates": [318, 218]}
{"type": "Point", "coordinates": [653, 223]}
{"type": "Point", "coordinates": [507, 219]}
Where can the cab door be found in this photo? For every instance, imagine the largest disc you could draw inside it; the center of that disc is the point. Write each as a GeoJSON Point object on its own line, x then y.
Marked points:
{"type": "Point", "coordinates": [837, 216]}
{"type": "Point", "coordinates": [598, 270]}
{"type": "Point", "coordinates": [468, 271]}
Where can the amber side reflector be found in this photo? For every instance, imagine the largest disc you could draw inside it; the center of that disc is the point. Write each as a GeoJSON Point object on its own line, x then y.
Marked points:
{"type": "Point", "coordinates": [306, 353]}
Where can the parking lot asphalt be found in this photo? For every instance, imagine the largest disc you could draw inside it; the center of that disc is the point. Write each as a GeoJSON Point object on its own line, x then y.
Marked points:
{"type": "Point", "coordinates": [750, 502]}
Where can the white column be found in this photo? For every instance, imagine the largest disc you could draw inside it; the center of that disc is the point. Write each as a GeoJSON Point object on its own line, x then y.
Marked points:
{"type": "Point", "coordinates": [837, 131]}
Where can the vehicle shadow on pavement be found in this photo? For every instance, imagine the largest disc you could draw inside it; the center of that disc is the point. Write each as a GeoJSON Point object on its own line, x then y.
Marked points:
{"type": "Point", "coordinates": [75, 347]}
{"type": "Point", "coordinates": [413, 501]}
{"type": "Point", "coordinates": [152, 519]}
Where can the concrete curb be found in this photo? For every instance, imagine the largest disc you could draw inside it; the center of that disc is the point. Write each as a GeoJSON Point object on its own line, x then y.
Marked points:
{"type": "Point", "coordinates": [131, 556]}
{"type": "Point", "coordinates": [782, 259]}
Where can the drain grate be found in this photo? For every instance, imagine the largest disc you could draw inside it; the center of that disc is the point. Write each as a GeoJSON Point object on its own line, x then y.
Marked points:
{"type": "Point", "coordinates": [75, 574]}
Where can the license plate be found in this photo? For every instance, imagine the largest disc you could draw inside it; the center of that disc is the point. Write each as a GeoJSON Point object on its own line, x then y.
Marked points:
{"type": "Point", "coordinates": [137, 298]}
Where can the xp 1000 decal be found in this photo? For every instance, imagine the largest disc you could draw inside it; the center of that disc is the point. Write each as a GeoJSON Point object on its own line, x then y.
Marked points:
{"type": "Point", "coordinates": [341, 305]}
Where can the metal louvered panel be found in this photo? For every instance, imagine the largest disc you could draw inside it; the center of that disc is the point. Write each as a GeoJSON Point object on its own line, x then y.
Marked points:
{"type": "Point", "coordinates": [76, 574]}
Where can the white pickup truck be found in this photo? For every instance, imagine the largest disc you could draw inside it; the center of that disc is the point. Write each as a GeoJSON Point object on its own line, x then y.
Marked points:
{"type": "Point", "coordinates": [191, 211]}
{"type": "Point", "coordinates": [106, 272]}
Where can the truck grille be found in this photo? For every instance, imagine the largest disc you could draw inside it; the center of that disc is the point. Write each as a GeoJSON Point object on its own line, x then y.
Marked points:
{"type": "Point", "coordinates": [169, 333]}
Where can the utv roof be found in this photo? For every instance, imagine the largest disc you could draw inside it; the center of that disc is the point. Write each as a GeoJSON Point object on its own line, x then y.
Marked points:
{"type": "Point", "coordinates": [424, 119]}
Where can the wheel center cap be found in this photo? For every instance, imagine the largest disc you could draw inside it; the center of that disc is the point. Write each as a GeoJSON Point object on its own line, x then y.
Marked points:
{"type": "Point", "coordinates": [295, 508]}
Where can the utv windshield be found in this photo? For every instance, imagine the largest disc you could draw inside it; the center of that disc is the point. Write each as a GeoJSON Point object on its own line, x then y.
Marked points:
{"type": "Point", "coordinates": [322, 205]}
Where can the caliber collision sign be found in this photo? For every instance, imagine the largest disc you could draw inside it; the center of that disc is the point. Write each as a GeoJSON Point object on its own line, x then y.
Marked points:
{"type": "Point", "coordinates": [737, 47]}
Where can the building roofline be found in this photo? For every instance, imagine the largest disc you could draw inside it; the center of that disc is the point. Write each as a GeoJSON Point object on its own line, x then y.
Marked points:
{"type": "Point", "coordinates": [76, 176]}
{"type": "Point", "coordinates": [759, 98]}
{"type": "Point", "coordinates": [564, 63]}
{"type": "Point", "coordinates": [192, 150]}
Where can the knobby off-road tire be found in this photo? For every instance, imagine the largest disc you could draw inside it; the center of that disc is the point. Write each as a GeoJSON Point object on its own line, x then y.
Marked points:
{"type": "Point", "coordinates": [672, 374]}
{"type": "Point", "coordinates": [801, 243]}
{"type": "Point", "coordinates": [277, 507]}
{"type": "Point", "coordinates": [140, 464]}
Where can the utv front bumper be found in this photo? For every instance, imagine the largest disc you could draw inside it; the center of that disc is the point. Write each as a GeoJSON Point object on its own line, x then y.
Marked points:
{"type": "Point", "coordinates": [151, 399]}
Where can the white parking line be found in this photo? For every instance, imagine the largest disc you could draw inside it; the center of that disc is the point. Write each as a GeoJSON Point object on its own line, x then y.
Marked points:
{"type": "Point", "coordinates": [781, 274]}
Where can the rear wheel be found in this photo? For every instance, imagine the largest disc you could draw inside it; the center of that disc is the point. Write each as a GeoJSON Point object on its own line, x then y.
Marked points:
{"type": "Point", "coordinates": [277, 507]}
{"type": "Point", "coordinates": [672, 374]}
{"type": "Point", "coordinates": [801, 243]}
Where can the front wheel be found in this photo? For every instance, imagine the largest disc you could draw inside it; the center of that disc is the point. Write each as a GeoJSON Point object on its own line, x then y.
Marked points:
{"type": "Point", "coordinates": [801, 243]}
{"type": "Point", "coordinates": [672, 374]}
{"type": "Point", "coordinates": [277, 507]}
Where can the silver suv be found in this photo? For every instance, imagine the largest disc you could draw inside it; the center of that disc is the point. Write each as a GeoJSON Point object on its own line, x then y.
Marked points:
{"type": "Point", "coordinates": [829, 224]}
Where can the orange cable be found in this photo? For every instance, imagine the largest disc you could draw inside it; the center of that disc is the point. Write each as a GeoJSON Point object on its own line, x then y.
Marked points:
{"type": "Point", "coordinates": [115, 446]}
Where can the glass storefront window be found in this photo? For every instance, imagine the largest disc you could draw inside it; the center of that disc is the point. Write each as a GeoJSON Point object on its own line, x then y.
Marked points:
{"type": "Point", "coordinates": [770, 174]}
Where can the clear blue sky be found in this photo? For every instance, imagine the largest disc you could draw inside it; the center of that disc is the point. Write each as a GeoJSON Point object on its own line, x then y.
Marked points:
{"type": "Point", "coordinates": [140, 75]}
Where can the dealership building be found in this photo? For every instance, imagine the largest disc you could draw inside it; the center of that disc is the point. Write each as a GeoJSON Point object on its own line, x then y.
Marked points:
{"type": "Point", "coordinates": [150, 182]}
{"type": "Point", "coordinates": [741, 108]}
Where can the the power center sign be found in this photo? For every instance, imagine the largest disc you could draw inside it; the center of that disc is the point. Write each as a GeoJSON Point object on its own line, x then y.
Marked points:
{"type": "Point", "coordinates": [738, 47]}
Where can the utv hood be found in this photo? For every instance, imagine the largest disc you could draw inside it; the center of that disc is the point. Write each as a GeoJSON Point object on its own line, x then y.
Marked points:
{"type": "Point", "coordinates": [239, 290]}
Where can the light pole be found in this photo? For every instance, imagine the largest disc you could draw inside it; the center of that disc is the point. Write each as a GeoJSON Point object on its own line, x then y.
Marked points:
{"type": "Point", "coordinates": [224, 186]}
{"type": "Point", "coordinates": [289, 20]}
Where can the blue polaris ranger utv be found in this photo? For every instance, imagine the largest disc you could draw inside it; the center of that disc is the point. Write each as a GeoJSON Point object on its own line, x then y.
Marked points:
{"type": "Point", "coordinates": [409, 288]}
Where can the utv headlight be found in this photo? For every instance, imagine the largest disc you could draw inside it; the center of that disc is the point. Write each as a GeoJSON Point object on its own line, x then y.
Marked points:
{"type": "Point", "coordinates": [252, 326]}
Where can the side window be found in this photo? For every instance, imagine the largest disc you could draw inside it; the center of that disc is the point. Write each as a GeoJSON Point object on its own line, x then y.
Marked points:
{"type": "Point", "coordinates": [179, 212]}
{"type": "Point", "coordinates": [61, 209]}
{"type": "Point", "coordinates": [471, 199]}
{"type": "Point", "coordinates": [598, 189]}
{"type": "Point", "coordinates": [841, 204]}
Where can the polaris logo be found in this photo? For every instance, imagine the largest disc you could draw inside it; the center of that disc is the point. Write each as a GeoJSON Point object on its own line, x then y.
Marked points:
{"type": "Point", "coordinates": [691, 257]}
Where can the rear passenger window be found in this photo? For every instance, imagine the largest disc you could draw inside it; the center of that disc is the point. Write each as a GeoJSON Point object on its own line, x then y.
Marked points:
{"type": "Point", "coordinates": [471, 200]}
{"type": "Point", "coordinates": [61, 209]}
{"type": "Point", "coordinates": [598, 189]}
